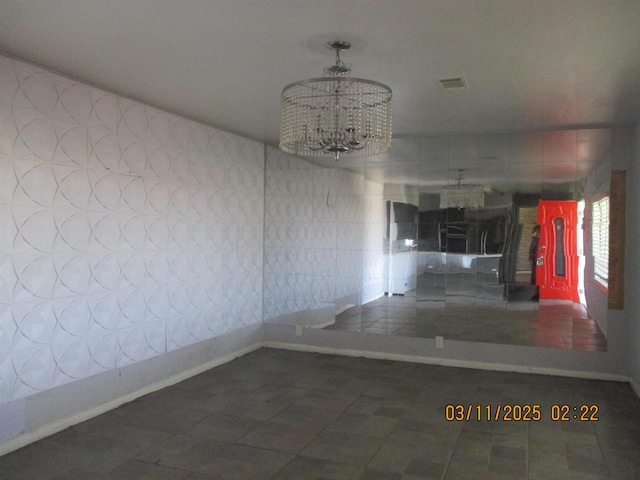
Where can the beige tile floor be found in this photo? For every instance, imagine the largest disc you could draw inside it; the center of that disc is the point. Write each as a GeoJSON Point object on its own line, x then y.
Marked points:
{"type": "Point", "coordinates": [281, 415]}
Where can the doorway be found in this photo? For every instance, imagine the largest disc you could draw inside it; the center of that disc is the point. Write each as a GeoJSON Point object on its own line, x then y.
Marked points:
{"type": "Point", "coordinates": [560, 273]}
{"type": "Point", "coordinates": [557, 253]}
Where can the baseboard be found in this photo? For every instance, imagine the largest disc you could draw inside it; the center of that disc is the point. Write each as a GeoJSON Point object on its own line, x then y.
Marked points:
{"type": "Point", "coordinates": [371, 298]}
{"type": "Point", "coordinates": [344, 308]}
{"type": "Point", "coordinates": [445, 362]}
{"type": "Point", "coordinates": [58, 425]}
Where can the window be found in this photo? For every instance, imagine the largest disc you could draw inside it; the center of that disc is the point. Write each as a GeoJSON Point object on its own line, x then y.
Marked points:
{"type": "Point", "coordinates": [600, 244]}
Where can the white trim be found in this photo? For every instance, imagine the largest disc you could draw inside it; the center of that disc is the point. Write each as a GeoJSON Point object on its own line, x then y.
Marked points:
{"type": "Point", "coordinates": [60, 424]}
{"type": "Point", "coordinates": [445, 362]}
{"type": "Point", "coordinates": [322, 325]}
{"type": "Point", "coordinates": [372, 298]}
{"type": "Point", "coordinates": [344, 308]}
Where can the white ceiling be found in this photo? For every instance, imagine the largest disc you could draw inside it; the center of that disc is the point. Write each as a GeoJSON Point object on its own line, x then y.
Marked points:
{"type": "Point", "coordinates": [530, 65]}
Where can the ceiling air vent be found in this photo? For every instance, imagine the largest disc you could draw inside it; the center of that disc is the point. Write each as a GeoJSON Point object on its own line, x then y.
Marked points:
{"type": "Point", "coordinates": [454, 83]}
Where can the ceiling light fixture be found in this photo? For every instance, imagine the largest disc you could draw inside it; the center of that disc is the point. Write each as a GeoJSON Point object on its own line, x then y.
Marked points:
{"type": "Point", "coordinates": [336, 114]}
{"type": "Point", "coordinates": [460, 195]}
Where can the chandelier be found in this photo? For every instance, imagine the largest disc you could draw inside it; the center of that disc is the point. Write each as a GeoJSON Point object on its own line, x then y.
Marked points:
{"type": "Point", "coordinates": [336, 114]}
{"type": "Point", "coordinates": [461, 195]}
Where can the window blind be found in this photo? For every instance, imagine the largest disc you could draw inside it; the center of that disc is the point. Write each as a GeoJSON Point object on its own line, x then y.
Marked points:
{"type": "Point", "coordinates": [600, 243]}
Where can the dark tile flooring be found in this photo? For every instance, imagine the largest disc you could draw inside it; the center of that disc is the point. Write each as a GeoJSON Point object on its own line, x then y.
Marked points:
{"type": "Point", "coordinates": [276, 414]}
{"type": "Point", "coordinates": [546, 323]}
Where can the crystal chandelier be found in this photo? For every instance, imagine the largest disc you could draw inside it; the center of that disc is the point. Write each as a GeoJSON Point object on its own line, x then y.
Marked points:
{"type": "Point", "coordinates": [460, 195]}
{"type": "Point", "coordinates": [336, 114]}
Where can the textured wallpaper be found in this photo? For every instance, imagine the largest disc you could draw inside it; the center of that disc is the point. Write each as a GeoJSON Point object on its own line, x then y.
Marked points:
{"type": "Point", "coordinates": [126, 232]}
{"type": "Point", "coordinates": [324, 231]}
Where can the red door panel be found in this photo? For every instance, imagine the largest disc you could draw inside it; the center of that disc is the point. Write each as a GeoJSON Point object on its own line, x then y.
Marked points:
{"type": "Point", "coordinates": [557, 269]}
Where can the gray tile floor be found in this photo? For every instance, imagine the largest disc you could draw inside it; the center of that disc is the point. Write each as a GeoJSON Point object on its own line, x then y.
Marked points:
{"type": "Point", "coordinates": [276, 414]}
{"type": "Point", "coordinates": [547, 323]}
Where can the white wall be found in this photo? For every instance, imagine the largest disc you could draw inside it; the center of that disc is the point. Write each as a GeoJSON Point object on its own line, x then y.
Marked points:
{"type": "Point", "coordinates": [319, 255]}
{"type": "Point", "coordinates": [127, 233]}
{"type": "Point", "coordinates": [632, 264]}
